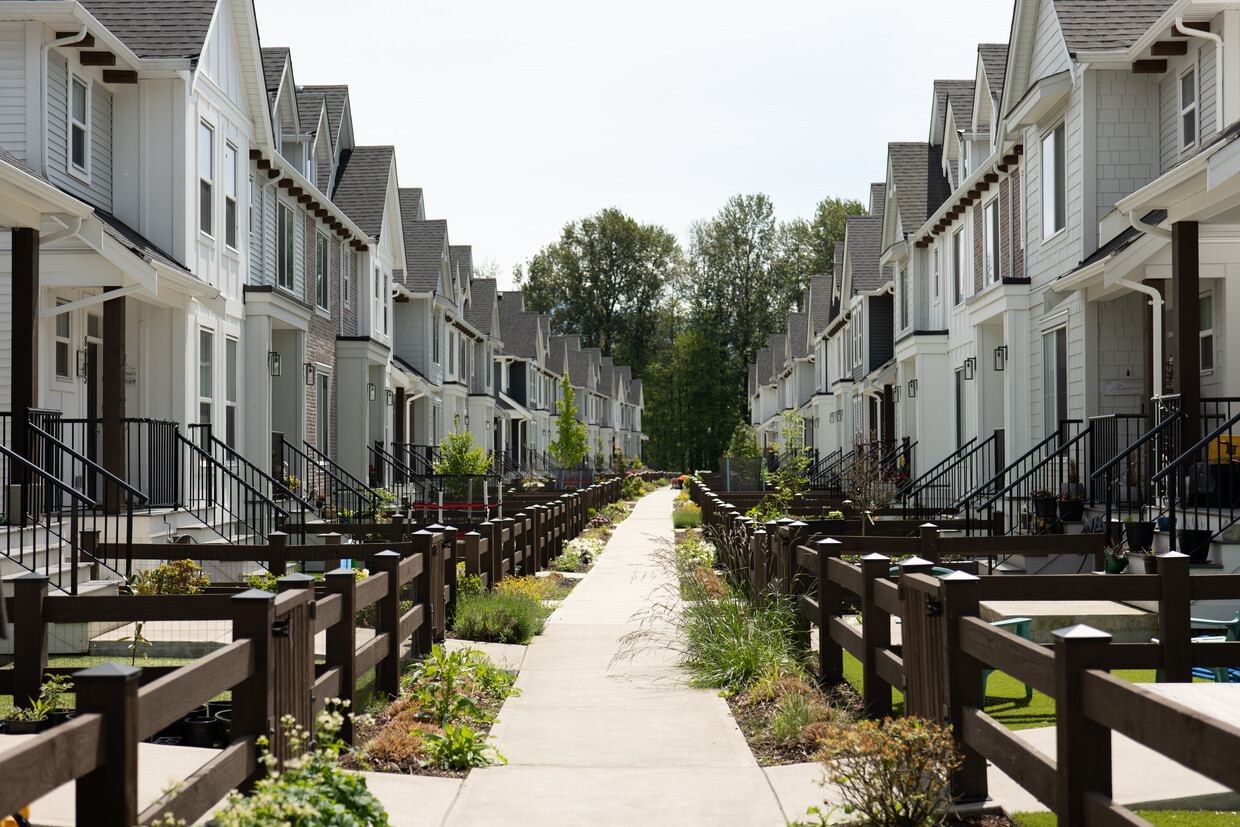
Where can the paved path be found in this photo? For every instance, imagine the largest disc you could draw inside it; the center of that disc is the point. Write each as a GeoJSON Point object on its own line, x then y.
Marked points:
{"type": "Point", "coordinates": [592, 742]}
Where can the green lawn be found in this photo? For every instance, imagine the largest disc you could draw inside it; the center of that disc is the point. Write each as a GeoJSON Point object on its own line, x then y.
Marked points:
{"type": "Point", "coordinates": [1159, 818]}
{"type": "Point", "coordinates": [83, 661]}
{"type": "Point", "coordinates": [1005, 696]}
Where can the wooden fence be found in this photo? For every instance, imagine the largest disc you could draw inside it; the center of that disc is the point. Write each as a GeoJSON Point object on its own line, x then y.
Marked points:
{"type": "Point", "coordinates": [269, 667]}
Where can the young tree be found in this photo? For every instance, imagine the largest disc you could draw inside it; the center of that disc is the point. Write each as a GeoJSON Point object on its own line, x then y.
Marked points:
{"type": "Point", "coordinates": [744, 443]}
{"type": "Point", "coordinates": [570, 445]}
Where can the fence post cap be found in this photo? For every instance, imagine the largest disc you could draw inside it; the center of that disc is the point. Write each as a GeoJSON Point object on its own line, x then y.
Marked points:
{"type": "Point", "coordinates": [254, 595]}
{"type": "Point", "coordinates": [874, 557]}
{"type": "Point", "coordinates": [108, 671]}
{"type": "Point", "coordinates": [485, 524]}
{"type": "Point", "coordinates": [797, 524]}
{"type": "Point", "coordinates": [297, 579]}
{"type": "Point", "coordinates": [324, 536]}
{"type": "Point", "coordinates": [927, 525]}
{"type": "Point", "coordinates": [340, 572]}
{"type": "Point", "coordinates": [277, 534]}
{"type": "Point", "coordinates": [826, 541]}
{"type": "Point", "coordinates": [450, 528]}
{"type": "Point", "coordinates": [959, 577]}
{"type": "Point", "coordinates": [422, 531]}
{"type": "Point", "coordinates": [1081, 631]}
{"type": "Point", "coordinates": [387, 554]}
{"type": "Point", "coordinates": [433, 528]}
{"type": "Point", "coordinates": [915, 561]}
{"type": "Point", "coordinates": [1172, 555]}
{"type": "Point", "coordinates": [473, 534]}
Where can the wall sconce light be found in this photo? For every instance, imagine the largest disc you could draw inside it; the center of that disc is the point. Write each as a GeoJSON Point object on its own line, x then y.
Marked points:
{"type": "Point", "coordinates": [391, 397]}
{"type": "Point", "coordinates": [895, 394]}
{"type": "Point", "coordinates": [912, 388]}
{"type": "Point", "coordinates": [970, 365]}
{"type": "Point", "coordinates": [273, 363]}
{"type": "Point", "coordinates": [308, 367]}
{"type": "Point", "coordinates": [1000, 357]}
{"type": "Point", "coordinates": [371, 391]}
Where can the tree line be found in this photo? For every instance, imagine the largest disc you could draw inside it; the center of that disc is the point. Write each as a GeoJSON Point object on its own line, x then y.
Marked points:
{"type": "Point", "coordinates": [687, 318]}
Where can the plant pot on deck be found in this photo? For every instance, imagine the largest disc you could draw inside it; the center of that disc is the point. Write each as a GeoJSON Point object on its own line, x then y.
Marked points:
{"type": "Point", "coordinates": [1071, 511]}
{"type": "Point", "coordinates": [26, 727]}
{"type": "Point", "coordinates": [1142, 563]}
{"type": "Point", "coordinates": [1044, 508]}
{"type": "Point", "coordinates": [198, 732]}
{"type": "Point", "coordinates": [1140, 535]}
{"type": "Point", "coordinates": [1195, 542]}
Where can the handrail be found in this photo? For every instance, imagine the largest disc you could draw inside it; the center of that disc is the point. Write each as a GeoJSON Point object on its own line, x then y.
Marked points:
{"type": "Point", "coordinates": [951, 459]}
{"type": "Point", "coordinates": [54, 480]}
{"type": "Point", "coordinates": [1155, 431]}
{"type": "Point", "coordinates": [1213, 435]}
{"type": "Point", "coordinates": [216, 442]}
{"type": "Point", "coordinates": [383, 454]}
{"type": "Point", "coordinates": [1061, 449]}
{"type": "Point", "coordinates": [363, 490]}
{"type": "Point", "coordinates": [1031, 452]}
{"type": "Point", "coordinates": [89, 463]}
{"type": "Point", "coordinates": [234, 475]}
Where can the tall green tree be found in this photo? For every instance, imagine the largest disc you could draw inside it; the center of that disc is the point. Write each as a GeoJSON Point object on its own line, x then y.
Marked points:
{"type": "Point", "coordinates": [807, 248]}
{"type": "Point", "coordinates": [570, 445]}
{"type": "Point", "coordinates": [605, 278]}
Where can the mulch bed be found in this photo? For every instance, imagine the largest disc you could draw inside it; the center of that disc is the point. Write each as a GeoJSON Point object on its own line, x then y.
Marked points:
{"type": "Point", "coordinates": [754, 718]}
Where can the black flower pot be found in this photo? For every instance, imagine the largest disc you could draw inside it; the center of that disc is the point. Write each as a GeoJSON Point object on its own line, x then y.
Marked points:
{"type": "Point", "coordinates": [59, 717]}
{"type": "Point", "coordinates": [1044, 508]}
{"type": "Point", "coordinates": [214, 708]}
{"type": "Point", "coordinates": [198, 732]}
{"type": "Point", "coordinates": [1140, 535]}
{"type": "Point", "coordinates": [223, 726]}
{"type": "Point", "coordinates": [25, 727]}
{"type": "Point", "coordinates": [1195, 542]}
{"type": "Point", "coordinates": [1071, 511]}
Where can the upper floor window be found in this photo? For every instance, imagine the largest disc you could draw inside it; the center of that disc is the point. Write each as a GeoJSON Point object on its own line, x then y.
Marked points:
{"type": "Point", "coordinates": [206, 374]}
{"type": "Point", "coordinates": [64, 344]}
{"type": "Point", "coordinates": [1054, 182]}
{"type": "Point", "coordinates": [1188, 108]}
{"type": "Point", "coordinates": [230, 195]}
{"type": "Point", "coordinates": [320, 270]}
{"type": "Point", "coordinates": [346, 275]}
{"type": "Point", "coordinates": [958, 265]}
{"type": "Point", "coordinates": [79, 125]}
{"type": "Point", "coordinates": [230, 392]}
{"type": "Point", "coordinates": [936, 272]}
{"type": "Point", "coordinates": [206, 175]}
{"type": "Point", "coordinates": [284, 247]}
{"type": "Point", "coordinates": [991, 220]}
{"type": "Point", "coordinates": [903, 297]}
{"type": "Point", "coordinates": [1206, 326]}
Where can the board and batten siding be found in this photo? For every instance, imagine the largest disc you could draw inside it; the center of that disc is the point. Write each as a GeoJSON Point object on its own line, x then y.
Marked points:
{"type": "Point", "coordinates": [13, 88]}
{"type": "Point", "coordinates": [97, 190]}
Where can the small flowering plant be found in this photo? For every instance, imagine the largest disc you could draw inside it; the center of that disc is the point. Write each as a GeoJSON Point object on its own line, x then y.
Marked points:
{"type": "Point", "coordinates": [1041, 494]}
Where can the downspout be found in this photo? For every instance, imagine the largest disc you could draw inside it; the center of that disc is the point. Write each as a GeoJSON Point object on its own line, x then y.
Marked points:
{"type": "Point", "coordinates": [1218, 66]}
{"type": "Point", "coordinates": [1156, 301]}
{"type": "Point", "coordinates": [68, 232]}
{"type": "Point", "coordinates": [60, 41]}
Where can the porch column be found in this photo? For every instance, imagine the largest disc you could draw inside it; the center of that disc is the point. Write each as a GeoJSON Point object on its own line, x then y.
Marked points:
{"type": "Point", "coordinates": [398, 417]}
{"type": "Point", "coordinates": [24, 344]}
{"type": "Point", "coordinates": [113, 393]}
{"type": "Point", "coordinates": [1186, 278]}
{"type": "Point", "coordinates": [889, 418]}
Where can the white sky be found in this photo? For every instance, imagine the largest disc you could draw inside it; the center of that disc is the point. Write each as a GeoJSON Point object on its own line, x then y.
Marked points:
{"type": "Point", "coordinates": [517, 116]}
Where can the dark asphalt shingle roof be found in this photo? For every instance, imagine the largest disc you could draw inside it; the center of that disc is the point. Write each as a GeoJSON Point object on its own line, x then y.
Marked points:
{"type": "Point", "coordinates": [943, 89]}
{"type": "Point", "coordinates": [962, 106]}
{"type": "Point", "coordinates": [753, 377]}
{"type": "Point", "coordinates": [798, 324]}
{"type": "Point", "coordinates": [764, 366]}
{"type": "Point", "coordinates": [480, 312]}
{"type": "Point", "coordinates": [878, 196]}
{"type": "Point", "coordinates": [336, 96]}
{"type": "Point", "coordinates": [424, 242]}
{"type": "Point", "coordinates": [309, 108]}
{"type": "Point", "coordinates": [1121, 241]}
{"type": "Point", "coordinates": [918, 178]}
{"type": "Point", "coordinates": [461, 257]}
{"type": "Point", "coordinates": [137, 243]}
{"type": "Point", "coordinates": [274, 59]}
{"type": "Point", "coordinates": [635, 390]}
{"type": "Point", "coordinates": [865, 236]}
{"type": "Point", "coordinates": [157, 28]}
{"type": "Point", "coordinates": [820, 297]}
{"type": "Point", "coordinates": [517, 328]}
{"type": "Point", "coordinates": [13, 161]}
{"type": "Point", "coordinates": [361, 185]}
{"type": "Point", "coordinates": [779, 346]}
{"type": "Point", "coordinates": [1097, 25]}
{"type": "Point", "coordinates": [994, 64]}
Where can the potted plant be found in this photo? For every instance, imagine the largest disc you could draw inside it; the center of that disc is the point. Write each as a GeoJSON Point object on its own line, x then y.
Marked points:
{"type": "Point", "coordinates": [1195, 542]}
{"type": "Point", "coordinates": [1071, 505]}
{"type": "Point", "coordinates": [1143, 562]}
{"type": "Point", "coordinates": [1139, 533]}
{"type": "Point", "coordinates": [28, 720]}
{"type": "Point", "coordinates": [1043, 504]}
{"type": "Point", "coordinates": [1116, 559]}
{"type": "Point", "coordinates": [54, 692]}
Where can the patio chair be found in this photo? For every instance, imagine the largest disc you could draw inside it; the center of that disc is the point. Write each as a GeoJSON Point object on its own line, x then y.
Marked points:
{"type": "Point", "coordinates": [1017, 626]}
{"type": "Point", "coordinates": [1219, 674]}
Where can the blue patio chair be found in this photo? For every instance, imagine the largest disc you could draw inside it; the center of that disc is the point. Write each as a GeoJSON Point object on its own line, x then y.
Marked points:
{"type": "Point", "coordinates": [1017, 626]}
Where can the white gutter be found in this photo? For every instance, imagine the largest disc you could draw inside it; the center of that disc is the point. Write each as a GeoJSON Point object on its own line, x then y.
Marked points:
{"type": "Point", "coordinates": [69, 231]}
{"type": "Point", "coordinates": [1156, 302]}
{"type": "Point", "coordinates": [60, 41]}
{"type": "Point", "coordinates": [1149, 229]}
{"type": "Point", "coordinates": [1218, 66]}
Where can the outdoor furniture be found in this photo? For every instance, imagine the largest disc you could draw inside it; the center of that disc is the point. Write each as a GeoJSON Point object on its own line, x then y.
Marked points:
{"type": "Point", "coordinates": [1018, 626]}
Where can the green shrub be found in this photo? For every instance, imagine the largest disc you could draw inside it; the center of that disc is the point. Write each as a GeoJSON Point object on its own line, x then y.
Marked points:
{"type": "Point", "coordinates": [688, 517]}
{"type": "Point", "coordinates": [568, 561]}
{"type": "Point", "coordinates": [498, 618]}
{"type": "Point", "coordinates": [461, 747]}
{"type": "Point", "coordinates": [175, 577]}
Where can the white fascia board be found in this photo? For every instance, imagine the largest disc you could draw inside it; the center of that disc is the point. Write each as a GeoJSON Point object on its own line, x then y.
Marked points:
{"type": "Point", "coordinates": [1150, 196]}
{"type": "Point", "coordinates": [1045, 95]}
{"type": "Point", "coordinates": [897, 252]}
{"type": "Point", "coordinates": [287, 170]}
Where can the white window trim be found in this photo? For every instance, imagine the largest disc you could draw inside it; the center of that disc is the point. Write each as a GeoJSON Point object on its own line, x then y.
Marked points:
{"type": "Point", "coordinates": [959, 268]}
{"type": "Point", "coordinates": [346, 276]}
{"type": "Point", "coordinates": [1194, 107]}
{"type": "Point", "coordinates": [1202, 334]}
{"type": "Point", "coordinates": [66, 340]}
{"type": "Point", "coordinates": [235, 225]}
{"type": "Point", "coordinates": [991, 241]}
{"type": "Point", "coordinates": [231, 405]}
{"type": "Point", "coordinates": [288, 249]}
{"type": "Point", "coordinates": [208, 399]}
{"type": "Point", "coordinates": [81, 173]}
{"type": "Point", "coordinates": [210, 182]}
{"type": "Point", "coordinates": [322, 272]}
{"type": "Point", "coordinates": [1050, 133]}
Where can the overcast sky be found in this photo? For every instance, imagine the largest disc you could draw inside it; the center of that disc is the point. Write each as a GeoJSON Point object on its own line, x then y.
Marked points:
{"type": "Point", "coordinates": [517, 116]}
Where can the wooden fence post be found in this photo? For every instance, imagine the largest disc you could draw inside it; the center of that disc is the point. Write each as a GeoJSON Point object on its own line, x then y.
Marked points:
{"type": "Point", "coordinates": [1083, 746]}
{"type": "Point", "coordinates": [875, 635]}
{"type": "Point", "coordinates": [109, 794]}
{"type": "Point", "coordinates": [254, 699]}
{"type": "Point", "coordinates": [774, 559]}
{"type": "Point", "coordinates": [387, 619]}
{"type": "Point", "coordinates": [423, 638]}
{"type": "Point", "coordinates": [29, 637]}
{"type": "Point", "coordinates": [472, 553]}
{"type": "Point", "coordinates": [509, 544]}
{"type": "Point", "coordinates": [450, 536]}
{"type": "Point", "coordinates": [521, 524]}
{"type": "Point", "coordinates": [928, 533]}
{"type": "Point", "coordinates": [342, 642]}
{"type": "Point", "coordinates": [798, 581]}
{"type": "Point", "coordinates": [1174, 626]}
{"type": "Point", "coordinates": [294, 654]}
{"type": "Point", "coordinates": [277, 553]}
{"type": "Point", "coordinates": [830, 606]}
{"type": "Point", "coordinates": [757, 545]}
{"type": "Point", "coordinates": [961, 595]}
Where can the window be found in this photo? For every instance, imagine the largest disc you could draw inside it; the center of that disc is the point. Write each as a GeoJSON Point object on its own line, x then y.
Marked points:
{"type": "Point", "coordinates": [63, 346]}
{"type": "Point", "coordinates": [1053, 182]}
{"type": "Point", "coordinates": [1206, 325]}
{"type": "Point", "coordinates": [230, 392]}
{"type": "Point", "coordinates": [79, 126]}
{"type": "Point", "coordinates": [387, 292]}
{"type": "Point", "coordinates": [959, 408]}
{"type": "Point", "coordinates": [346, 275]}
{"type": "Point", "coordinates": [903, 297]}
{"type": "Point", "coordinates": [991, 220]}
{"type": "Point", "coordinates": [436, 335]}
{"type": "Point", "coordinates": [936, 272]}
{"type": "Point", "coordinates": [206, 175]}
{"type": "Point", "coordinates": [958, 265]}
{"type": "Point", "coordinates": [230, 195]}
{"type": "Point", "coordinates": [255, 211]}
{"type": "Point", "coordinates": [323, 413]}
{"type": "Point", "coordinates": [1054, 379]}
{"type": "Point", "coordinates": [206, 377]}
{"type": "Point", "coordinates": [320, 270]}
{"type": "Point", "coordinates": [1188, 108]}
{"type": "Point", "coordinates": [452, 352]}
{"type": "Point", "coordinates": [284, 247]}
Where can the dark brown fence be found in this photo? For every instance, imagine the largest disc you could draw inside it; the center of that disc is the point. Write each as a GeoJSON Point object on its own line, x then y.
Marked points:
{"type": "Point", "coordinates": [269, 667]}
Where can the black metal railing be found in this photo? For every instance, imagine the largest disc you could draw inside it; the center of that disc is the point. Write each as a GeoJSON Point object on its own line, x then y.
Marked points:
{"type": "Point", "coordinates": [506, 467]}
{"type": "Point", "coordinates": [419, 459]}
{"type": "Point", "coordinates": [272, 496]}
{"type": "Point", "coordinates": [898, 462]}
{"type": "Point", "coordinates": [1047, 477]}
{"type": "Point", "coordinates": [319, 479]}
{"type": "Point", "coordinates": [150, 453]}
{"type": "Point", "coordinates": [1125, 461]}
{"type": "Point", "coordinates": [941, 489]}
{"type": "Point", "coordinates": [1203, 484]}
{"type": "Point", "coordinates": [222, 500]}
{"type": "Point", "coordinates": [824, 475]}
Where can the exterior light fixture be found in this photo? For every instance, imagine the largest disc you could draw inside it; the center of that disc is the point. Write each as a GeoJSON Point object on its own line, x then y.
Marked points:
{"type": "Point", "coordinates": [273, 363]}
{"type": "Point", "coordinates": [1000, 357]}
{"type": "Point", "coordinates": [308, 368]}
{"type": "Point", "coordinates": [970, 365]}
{"type": "Point", "coordinates": [912, 388]}
{"type": "Point", "coordinates": [895, 394]}
{"type": "Point", "coordinates": [391, 397]}
{"type": "Point", "coordinates": [371, 391]}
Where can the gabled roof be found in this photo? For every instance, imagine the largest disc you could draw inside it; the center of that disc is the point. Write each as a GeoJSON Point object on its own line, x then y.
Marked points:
{"type": "Point", "coordinates": [943, 90]}
{"type": "Point", "coordinates": [820, 297]}
{"type": "Point", "coordinates": [918, 178]}
{"type": "Point", "coordinates": [157, 28]}
{"type": "Point", "coordinates": [309, 110]}
{"type": "Point", "coordinates": [461, 257]}
{"type": "Point", "coordinates": [480, 312]}
{"type": "Point", "coordinates": [517, 328]}
{"type": "Point", "coordinates": [424, 243]}
{"type": "Point", "coordinates": [779, 347]}
{"type": "Point", "coordinates": [544, 327]}
{"type": "Point", "coordinates": [274, 60]}
{"type": "Point", "coordinates": [961, 104]}
{"type": "Point", "coordinates": [764, 366]}
{"type": "Point", "coordinates": [362, 184]}
{"type": "Point", "coordinates": [1103, 25]}
{"type": "Point", "coordinates": [994, 63]}
{"type": "Point", "coordinates": [878, 193]}
{"type": "Point", "coordinates": [335, 97]}
{"type": "Point", "coordinates": [798, 325]}
{"type": "Point", "coordinates": [753, 377]}
{"type": "Point", "coordinates": [864, 237]}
